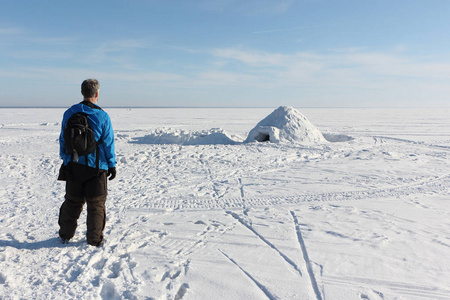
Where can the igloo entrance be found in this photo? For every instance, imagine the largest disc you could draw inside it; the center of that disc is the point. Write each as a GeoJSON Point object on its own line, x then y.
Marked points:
{"type": "Point", "coordinates": [262, 137]}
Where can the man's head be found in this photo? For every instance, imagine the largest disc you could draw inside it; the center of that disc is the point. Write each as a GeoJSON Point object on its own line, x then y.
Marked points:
{"type": "Point", "coordinates": [90, 88]}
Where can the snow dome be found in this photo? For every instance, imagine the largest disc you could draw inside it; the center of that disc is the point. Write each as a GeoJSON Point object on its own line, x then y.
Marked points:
{"type": "Point", "coordinates": [286, 124]}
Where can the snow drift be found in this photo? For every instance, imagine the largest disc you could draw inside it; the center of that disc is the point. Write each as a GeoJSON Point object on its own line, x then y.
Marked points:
{"type": "Point", "coordinates": [214, 136]}
{"type": "Point", "coordinates": [286, 124]}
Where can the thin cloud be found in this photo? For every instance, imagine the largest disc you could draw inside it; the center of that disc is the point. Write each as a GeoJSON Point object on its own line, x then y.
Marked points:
{"type": "Point", "coordinates": [353, 68]}
{"type": "Point", "coordinates": [283, 29]}
{"type": "Point", "coordinates": [13, 30]}
{"type": "Point", "coordinates": [267, 7]}
{"type": "Point", "coordinates": [118, 51]}
{"type": "Point", "coordinates": [226, 78]}
{"type": "Point", "coordinates": [324, 25]}
{"type": "Point", "coordinates": [62, 41]}
{"type": "Point", "coordinates": [249, 8]}
{"type": "Point", "coordinates": [254, 58]}
{"type": "Point", "coordinates": [348, 49]}
{"type": "Point", "coordinates": [72, 74]}
{"type": "Point", "coordinates": [41, 55]}
{"type": "Point", "coordinates": [119, 46]}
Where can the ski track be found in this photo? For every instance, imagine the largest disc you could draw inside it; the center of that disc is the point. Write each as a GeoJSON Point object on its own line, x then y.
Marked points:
{"type": "Point", "coordinates": [259, 285]}
{"type": "Point", "coordinates": [137, 205]}
{"type": "Point", "coordinates": [262, 238]}
{"type": "Point", "coordinates": [301, 241]}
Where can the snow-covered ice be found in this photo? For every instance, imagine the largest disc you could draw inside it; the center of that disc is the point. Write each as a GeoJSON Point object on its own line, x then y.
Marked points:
{"type": "Point", "coordinates": [196, 213]}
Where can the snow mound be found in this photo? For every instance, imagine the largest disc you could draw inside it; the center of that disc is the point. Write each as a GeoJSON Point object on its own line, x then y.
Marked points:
{"type": "Point", "coordinates": [336, 138]}
{"type": "Point", "coordinates": [286, 124]}
{"type": "Point", "coordinates": [214, 136]}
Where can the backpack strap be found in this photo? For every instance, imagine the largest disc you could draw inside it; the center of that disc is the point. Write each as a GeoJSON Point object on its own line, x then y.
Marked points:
{"type": "Point", "coordinates": [97, 158]}
{"type": "Point", "coordinates": [97, 150]}
{"type": "Point", "coordinates": [97, 155]}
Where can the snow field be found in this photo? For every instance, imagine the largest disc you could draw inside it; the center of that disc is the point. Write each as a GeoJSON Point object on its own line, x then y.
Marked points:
{"type": "Point", "coordinates": [365, 218]}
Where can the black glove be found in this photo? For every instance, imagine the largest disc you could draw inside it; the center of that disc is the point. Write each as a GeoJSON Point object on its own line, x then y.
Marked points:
{"type": "Point", "coordinates": [112, 172]}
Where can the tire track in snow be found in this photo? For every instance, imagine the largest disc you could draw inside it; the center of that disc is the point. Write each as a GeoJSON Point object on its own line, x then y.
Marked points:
{"type": "Point", "coordinates": [301, 241]}
{"type": "Point", "coordinates": [431, 185]}
{"type": "Point", "coordinates": [259, 285]}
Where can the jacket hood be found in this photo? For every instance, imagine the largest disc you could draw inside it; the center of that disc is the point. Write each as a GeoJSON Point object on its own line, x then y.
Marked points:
{"type": "Point", "coordinates": [86, 107]}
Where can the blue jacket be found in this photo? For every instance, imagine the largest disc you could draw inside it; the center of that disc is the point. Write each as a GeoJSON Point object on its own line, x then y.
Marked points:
{"type": "Point", "coordinates": [100, 123]}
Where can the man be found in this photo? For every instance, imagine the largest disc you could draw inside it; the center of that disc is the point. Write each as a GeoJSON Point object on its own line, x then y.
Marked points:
{"type": "Point", "coordinates": [86, 175]}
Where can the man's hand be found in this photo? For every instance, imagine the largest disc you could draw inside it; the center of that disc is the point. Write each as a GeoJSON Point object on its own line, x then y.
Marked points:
{"type": "Point", "coordinates": [111, 173]}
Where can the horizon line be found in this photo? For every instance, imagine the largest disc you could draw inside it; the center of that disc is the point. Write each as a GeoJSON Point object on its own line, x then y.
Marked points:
{"type": "Point", "coordinates": [188, 107]}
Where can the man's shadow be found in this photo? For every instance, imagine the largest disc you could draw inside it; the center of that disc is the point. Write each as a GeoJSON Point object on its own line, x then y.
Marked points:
{"type": "Point", "coordinates": [50, 243]}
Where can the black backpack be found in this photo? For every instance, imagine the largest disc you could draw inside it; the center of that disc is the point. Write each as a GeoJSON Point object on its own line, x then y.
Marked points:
{"type": "Point", "coordinates": [79, 138]}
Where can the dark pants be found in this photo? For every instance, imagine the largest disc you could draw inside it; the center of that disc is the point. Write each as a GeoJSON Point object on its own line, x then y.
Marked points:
{"type": "Point", "coordinates": [84, 185]}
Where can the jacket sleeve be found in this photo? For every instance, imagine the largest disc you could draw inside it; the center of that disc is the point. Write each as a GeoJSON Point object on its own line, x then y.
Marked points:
{"type": "Point", "coordinates": [62, 148]}
{"type": "Point", "coordinates": [108, 142]}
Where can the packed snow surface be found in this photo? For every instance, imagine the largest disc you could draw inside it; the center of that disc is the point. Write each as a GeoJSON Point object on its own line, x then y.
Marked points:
{"type": "Point", "coordinates": [365, 215]}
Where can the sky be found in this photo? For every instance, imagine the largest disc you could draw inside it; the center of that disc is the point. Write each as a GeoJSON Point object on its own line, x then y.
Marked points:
{"type": "Point", "coordinates": [227, 53]}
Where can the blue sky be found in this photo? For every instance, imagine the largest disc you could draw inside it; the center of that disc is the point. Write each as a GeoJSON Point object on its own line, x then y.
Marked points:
{"type": "Point", "coordinates": [304, 53]}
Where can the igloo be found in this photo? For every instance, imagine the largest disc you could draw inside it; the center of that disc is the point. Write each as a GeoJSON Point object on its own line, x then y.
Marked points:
{"type": "Point", "coordinates": [286, 124]}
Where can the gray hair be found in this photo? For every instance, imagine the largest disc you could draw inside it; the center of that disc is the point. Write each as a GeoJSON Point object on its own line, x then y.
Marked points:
{"type": "Point", "coordinates": [89, 87]}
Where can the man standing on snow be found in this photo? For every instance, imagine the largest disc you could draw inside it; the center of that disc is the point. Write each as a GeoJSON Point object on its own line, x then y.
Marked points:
{"type": "Point", "coordinates": [86, 175]}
